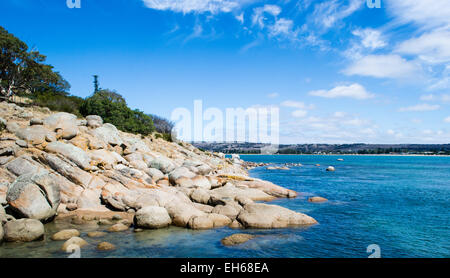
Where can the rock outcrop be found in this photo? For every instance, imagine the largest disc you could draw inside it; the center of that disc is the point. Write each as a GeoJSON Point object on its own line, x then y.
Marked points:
{"type": "Point", "coordinates": [57, 165]}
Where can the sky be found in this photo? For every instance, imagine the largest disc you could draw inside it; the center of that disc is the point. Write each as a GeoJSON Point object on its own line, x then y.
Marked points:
{"type": "Point", "coordinates": [339, 71]}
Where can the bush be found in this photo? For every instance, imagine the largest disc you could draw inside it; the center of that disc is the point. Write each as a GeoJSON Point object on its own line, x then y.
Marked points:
{"type": "Point", "coordinates": [58, 102]}
{"type": "Point", "coordinates": [113, 109]}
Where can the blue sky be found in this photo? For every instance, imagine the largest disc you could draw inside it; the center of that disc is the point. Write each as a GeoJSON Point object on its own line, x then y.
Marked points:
{"type": "Point", "coordinates": [339, 71]}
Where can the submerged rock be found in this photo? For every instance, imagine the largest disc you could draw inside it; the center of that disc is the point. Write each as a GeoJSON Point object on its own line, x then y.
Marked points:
{"type": "Point", "coordinates": [105, 246]}
{"type": "Point", "coordinates": [23, 230]}
{"type": "Point", "coordinates": [118, 228]}
{"type": "Point", "coordinates": [236, 239]}
{"type": "Point", "coordinates": [317, 199]}
{"type": "Point", "coordinates": [65, 234]}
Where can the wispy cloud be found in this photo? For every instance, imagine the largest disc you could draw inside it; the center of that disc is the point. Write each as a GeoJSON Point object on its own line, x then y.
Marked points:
{"type": "Point", "coordinates": [196, 6]}
{"type": "Point", "coordinates": [420, 108]}
{"type": "Point", "coordinates": [355, 91]}
{"type": "Point", "coordinates": [383, 66]}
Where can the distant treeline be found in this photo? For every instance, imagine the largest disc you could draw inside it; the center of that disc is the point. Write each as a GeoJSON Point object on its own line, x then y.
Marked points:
{"type": "Point", "coordinates": [23, 73]}
{"type": "Point", "coordinates": [255, 148]}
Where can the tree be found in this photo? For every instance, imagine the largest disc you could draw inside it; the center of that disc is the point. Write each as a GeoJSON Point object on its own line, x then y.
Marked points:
{"type": "Point", "coordinates": [23, 70]}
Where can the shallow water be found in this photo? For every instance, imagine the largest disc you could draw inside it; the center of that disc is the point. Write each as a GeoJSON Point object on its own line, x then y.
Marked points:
{"type": "Point", "coordinates": [399, 203]}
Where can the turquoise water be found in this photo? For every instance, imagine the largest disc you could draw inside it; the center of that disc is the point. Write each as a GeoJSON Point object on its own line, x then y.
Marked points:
{"type": "Point", "coordinates": [398, 203]}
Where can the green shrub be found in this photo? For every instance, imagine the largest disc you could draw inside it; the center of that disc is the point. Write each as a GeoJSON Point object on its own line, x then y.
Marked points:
{"type": "Point", "coordinates": [113, 108]}
{"type": "Point", "coordinates": [58, 102]}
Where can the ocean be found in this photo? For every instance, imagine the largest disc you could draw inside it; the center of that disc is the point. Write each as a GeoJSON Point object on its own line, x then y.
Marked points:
{"type": "Point", "coordinates": [399, 204]}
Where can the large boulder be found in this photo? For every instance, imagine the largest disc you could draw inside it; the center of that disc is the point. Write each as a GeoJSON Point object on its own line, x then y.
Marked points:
{"type": "Point", "coordinates": [200, 195]}
{"type": "Point", "coordinates": [269, 188]}
{"type": "Point", "coordinates": [230, 191]}
{"type": "Point", "coordinates": [74, 154]}
{"type": "Point", "coordinates": [22, 165]}
{"type": "Point", "coordinates": [155, 174]}
{"type": "Point", "coordinates": [201, 182]}
{"type": "Point", "coordinates": [181, 213]}
{"type": "Point", "coordinates": [23, 230]}
{"type": "Point", "coordinates": [201, 222]}
{"type": "Point", "coordinates": [264, 216]}
{"type": "Point", "coordinates": [34, 195]}
{"type": "Point", "coordinates": [68, 170]}
{"type": "Point", "coordinates": [34, 135]}
{"type": "Point", "coordinates": [163, 164]}
{"type": "Point", "coordinates": [109, 134]}
{"type": "Point", "coordinates": [106, 158]}
{"type": "Point", "coordinates": [63, 123]}
{"type": "Point", "coordinates": [180, 172]}
{"type": "Point", "coordinates": [94, 121]}
{"type": "Point", "coordinates": [152, 217]}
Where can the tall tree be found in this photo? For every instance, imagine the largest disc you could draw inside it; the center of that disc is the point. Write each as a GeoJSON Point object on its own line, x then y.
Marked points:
{"type": "Point", "coordinates": [23, 70]}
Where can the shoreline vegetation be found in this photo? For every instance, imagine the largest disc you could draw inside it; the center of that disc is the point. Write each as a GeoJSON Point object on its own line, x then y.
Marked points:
{"type": "Point", "coordinates": [328, 149]}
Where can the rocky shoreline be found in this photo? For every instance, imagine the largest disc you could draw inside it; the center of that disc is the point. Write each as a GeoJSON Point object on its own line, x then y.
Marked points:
{"type": "Point", "coordinates": [57, 167]}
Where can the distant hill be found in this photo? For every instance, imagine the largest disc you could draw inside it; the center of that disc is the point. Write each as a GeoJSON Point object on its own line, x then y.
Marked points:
{"type": "Point", "coordinates": [255, 148]}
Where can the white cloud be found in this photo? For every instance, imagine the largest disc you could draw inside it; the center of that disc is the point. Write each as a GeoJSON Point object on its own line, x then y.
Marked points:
{"type": "Point", "coordinates": [383, 66]}
{"type": "Point", "coordinates": [273, 95]}
{"type": "Point", "coordinates": [370, 38]}
{"type": "Point", "coordinates": [327, 14]}
{"type": "Point", "coordinates": [355, 91]}
{"type": "Point", "coordinates": [299, 113]}
{"type": "Point", "coordinates": [197, 6]}
{"type": "Point", "coordinates": [447, 120]}
{"type": "Point", "coordinates": [258, 14]}
{"type": "Point", "coordinates": [282, 27]}
{"type": "Point", "coordinates": [433, 47]}
{"type": "Point", "coordinates": [420, 108]}
{"type": "Point", "coordinates": [427, 97]}
{"type": "Point", "coordinates": [296, 104]}
{"type": "Point", "coordinates": [423, 13]}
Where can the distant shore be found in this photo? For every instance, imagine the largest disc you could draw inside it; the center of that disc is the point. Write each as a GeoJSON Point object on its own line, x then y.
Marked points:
{"type": "Point", "coordinates": [426, 155]}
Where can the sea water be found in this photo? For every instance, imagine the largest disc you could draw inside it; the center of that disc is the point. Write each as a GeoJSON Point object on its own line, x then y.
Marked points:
{"type": "Point", "coordinates": [399, 203]}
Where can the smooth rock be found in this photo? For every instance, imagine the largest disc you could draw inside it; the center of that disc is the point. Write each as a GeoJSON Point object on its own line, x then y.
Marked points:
{"type": "Point", "coordinates": [236, 239]}
{"type": "Point", "coordinates": [105, 246]}
{"type": "Point", "coordinates": [65, 234]}
{"type": "Point", "coordinates": [118, 228]}
{"type": "Point", "coordinates": [96, 234]}
{"type": "Point", "coordinates": [180, 172]}
{"type": "Point", "coordinates": [75, 154]}
{"type": "Point", "coordinates": [163, 164]}
{"type": "Point", "coordinates": [317, 199]}
{"type": "Point", "coordinates": [266, 216]}
{"type": "Point", "coordinates": [201, 222]}
{"type": "Point", "coordinates": [109, 134]}
{"type": "Point", "coordinates": [34, 195]}
{"type": "Point", "coordinates": [23, 230]}
{"type": "Point", "coordinates": [152, 217]}
{"type": "Point", "coordinates": [94, 121]}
